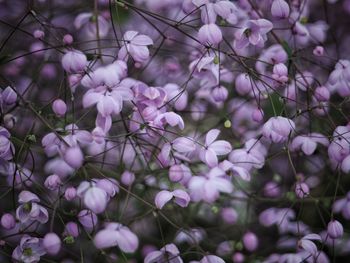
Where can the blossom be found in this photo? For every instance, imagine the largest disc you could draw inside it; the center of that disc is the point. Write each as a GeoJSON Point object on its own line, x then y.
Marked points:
{"type": "Point", "coordinates": [74, 61]}
{"type": "Point", "coordinates": [208, 187]}
{"type": "Point", "coordinates": [277, 129]}
{"type": "Point", "coordinates": [335, 229]}
{"type": "Point", "coordinates": [115, 234]}
{"type": "Point", "coordinates": [254, 33]}
{"type": "Point", "coordinates": [169, 251]}
{"type": "Point", "coordinates": [280, 9]}
{"type": "Point", "coordinates": [180, 197]}
{"type": "Point", "coordinates": [29, 250]}
{"type": "Point", "coordinates": [250, 241]}
{"type": "Point", "coordinates": [30, 210]}
{"type": "Point", "coordinates": [212, 148]}
{"type": "Point", "coordinates": [135, 45]}
{"type": "Point", "coordinates": [308, 143]}
{"type": "Point", "coordinates": [307, 243]}
{"type": "Point", "coordinates": [52, 243]}
{"type": "Point", "coordinates": [210, 34]}
{"type": "Point", "coordinates": [6, 147]}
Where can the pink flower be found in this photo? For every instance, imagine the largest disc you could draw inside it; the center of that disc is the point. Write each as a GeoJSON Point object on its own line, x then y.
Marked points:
{"type": "Point", "coordinates": [115, 234]}
{"type": "Point", "coordinates": [180, 197]}
{"type": "Point", "coordinates": [135, 45]}
{"type": "Point", "coordinates": [208, 154]}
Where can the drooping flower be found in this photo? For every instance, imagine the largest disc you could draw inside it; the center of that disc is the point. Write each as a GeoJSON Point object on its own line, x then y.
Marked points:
{"type": "Point", "coordinates": [277, 129]}
{"type": "Point", "coordinates": [29, 250]}
{"type": "Point", "coordinates": [169, 251]}
{"type": "Point", "coordinates": [115, 234]}
{"type": "Point", "coordinates": [180, 197]}
{"type": "Point", "coordinates": [29, 209]}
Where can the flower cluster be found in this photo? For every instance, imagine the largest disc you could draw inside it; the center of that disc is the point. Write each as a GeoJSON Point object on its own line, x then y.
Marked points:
{"type": "Point", "coordinates": [159, 131]}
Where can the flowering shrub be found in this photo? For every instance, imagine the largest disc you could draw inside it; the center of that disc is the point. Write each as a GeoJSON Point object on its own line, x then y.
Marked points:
{"type": "Point", "coordinates": [174, 131]}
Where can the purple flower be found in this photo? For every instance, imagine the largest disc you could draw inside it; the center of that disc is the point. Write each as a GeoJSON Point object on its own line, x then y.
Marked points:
{"type": "Point", "coordinates": [88, 219]}
{"type": "Point", "coordinates": [308, 143]}
{"type": "Point", "coordinates": [250, 241]}
{"type": "Point", "coordinates": [211, 259]}
{"type": "Point", "coordinates": [343, 205]}
{"type": "Point", "coordinates": [307, 243]}
{"type": "Point", "coordinates": [8, 221]}
{"type": "Point", "coordinates": [74, 61]}
{"type": "Point", "coordinates": [53, 182]}
{"type": "Point", "coordinates": [302, 190]}
{"type": "Point", "coordinates": [135, 45]}
{"type": "Point", "coordinates": [87, 23]}
{"type": "Point", "coordinates": [8, 96]}
{"type": "Point", "coordinates": [180, 197]}
{"type": "Point", "coordinates": [115, 234]}
{"type": "Point", "coordinates": [29, 250]}
{"type": "Point", "coordinates": [30, 210]}
{"type": "Point", "coordinates": [210, 34]}
{"type": "Point", "coordinates": [6, 147]}
{"type": "Point", "coordinates": [335, 229]}
{"type": "Point", "coordinates": [339, 79]}
{"type": "Point", "coordinates": [280, 9]}
{"type": "Point", "coordinates": [254, 33]}
{"type": "Point", "coordinates": [94, 198]}
{"type": "Point", "coordinates": [208, 187]}
{"type": "Point", "coordinates": [59, 107]}
{"type": "Point", "coordinates": [208, 154]}
{"type": "Point", "coordinates": [168, 253]}
{"type": "Point", "coordinates": [277, 129]}
{"type": "Point", "coordinates": [52, 243]}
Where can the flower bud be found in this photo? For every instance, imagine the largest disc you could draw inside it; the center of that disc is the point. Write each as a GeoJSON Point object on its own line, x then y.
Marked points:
{"type": "Point", "coordinates": [8, 221]}
{"type": "Point", "coordinates": [72, 229]}
{"type": "Point", "coordinates": [70, 193]}
{"type": "Point", "coordinates": [128, 178]}
{"type": "Point", "coordinates": [220, 94]}
{"type": "Point", "coordinates": [52, 243]}
{"type": "Point", "coordinates": [74, 157]}
{"type": "Point", "coordinates": [258, 115]}
{"type": "Point", "coordinates": [229, 215]}
{"type": "Point", "coordinates": [302, 190]}
{"type": "Point", "coordinates": [250, 241]}
{"type": "Point", "coordinates": [272, 189]}
{"type": "Point", "coordinates": [238, 257]}
{"type": "Point", "coordinates": [88, 219]}
{"type": "Point", "coordinates": [9, 96]}
{"type": "Point", "coordinates": [280, 9]}
{"type": "Point", "coordinates": [67, 39]}
{"type": "Point", "coordinates": [59, 107]}
{"type": "Point", "coordinates": [39, 34]}
{"type": "Point", "coordinates": [318, 51]}
{"type": "Point", "coordinates": [335, 229]}
{"type": "Point", "coordinates": [322, 93]}
{"type": "Point", "coordinates": [9, 121]}
{"type": "Point", "coordinates": [53, 182]}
